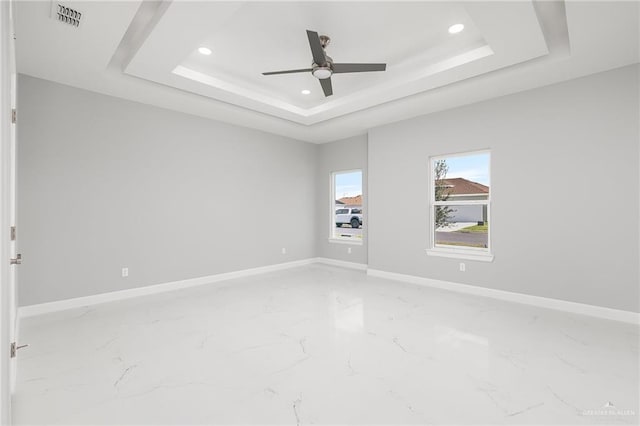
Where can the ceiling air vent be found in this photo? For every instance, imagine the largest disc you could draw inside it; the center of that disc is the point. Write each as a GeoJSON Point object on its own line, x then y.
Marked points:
{"type": "Point", "coordinates": [65, 14]}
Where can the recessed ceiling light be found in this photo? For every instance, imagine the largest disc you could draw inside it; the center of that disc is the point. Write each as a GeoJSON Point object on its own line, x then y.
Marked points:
{"type": "Point", "coordinates": [456, 28]}
{"type": "Point", "coordinates": [204, 50]}
{"type": "Point", "coordinates": [306, 91]}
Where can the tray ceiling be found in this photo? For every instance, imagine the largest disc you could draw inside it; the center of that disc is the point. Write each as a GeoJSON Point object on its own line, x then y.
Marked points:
{"type": "Point", "coordinates": [411, 37]}
{"type": "Point", "coordinates": [148, 51]}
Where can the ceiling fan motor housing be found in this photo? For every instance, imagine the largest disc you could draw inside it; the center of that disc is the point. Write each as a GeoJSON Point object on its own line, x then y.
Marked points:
{"type": "Point", "coordinates": [322, 71]}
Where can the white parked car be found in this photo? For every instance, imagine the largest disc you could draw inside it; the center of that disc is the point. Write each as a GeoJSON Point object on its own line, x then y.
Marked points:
{"type": "Point", "coordinates": [349, 216]}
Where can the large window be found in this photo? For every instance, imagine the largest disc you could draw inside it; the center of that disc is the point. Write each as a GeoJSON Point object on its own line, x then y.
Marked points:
{"type": "Point", "coordinates": [460, 205]}
{"type": "Point", "coordinates": [346, 206]}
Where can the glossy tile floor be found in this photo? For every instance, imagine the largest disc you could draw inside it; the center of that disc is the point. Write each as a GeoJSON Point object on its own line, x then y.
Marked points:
{"type": "Point", "coordinates": [324, 345]}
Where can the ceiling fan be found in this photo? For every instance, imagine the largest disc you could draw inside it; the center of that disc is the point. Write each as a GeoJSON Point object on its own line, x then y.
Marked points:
{"type": "Point", "coordinates": [323, 67]}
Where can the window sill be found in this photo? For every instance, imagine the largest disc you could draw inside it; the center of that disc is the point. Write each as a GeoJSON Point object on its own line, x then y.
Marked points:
{"type": "Point", "coordinates": [456, 254]}
{"type": "Point", "coordinates": [345, 241]}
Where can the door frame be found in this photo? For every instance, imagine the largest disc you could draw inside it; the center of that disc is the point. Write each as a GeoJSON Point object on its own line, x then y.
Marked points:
{"type": "Point", "coordinates": [8, 308]}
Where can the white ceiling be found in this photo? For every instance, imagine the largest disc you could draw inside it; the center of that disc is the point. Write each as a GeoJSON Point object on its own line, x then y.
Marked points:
{"type": "Point", "coordinates": [147, 52]}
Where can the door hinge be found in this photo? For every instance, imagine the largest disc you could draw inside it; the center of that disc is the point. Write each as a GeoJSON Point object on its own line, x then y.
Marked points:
{"type": "Point", "coordinates": [14, 115]}
{"type": "Point", "coordinates": [13, 233]}
{"type": "Point", "coordinates": [14, 349]}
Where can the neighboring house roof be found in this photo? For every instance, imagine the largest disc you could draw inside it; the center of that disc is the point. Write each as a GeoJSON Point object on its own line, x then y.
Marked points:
{"type": "Point", "coordinates": [352, 201]}
{"type": "Point", "coordinates": [462, 186]}
{"type": "Point", "coordinates": [339, 202]}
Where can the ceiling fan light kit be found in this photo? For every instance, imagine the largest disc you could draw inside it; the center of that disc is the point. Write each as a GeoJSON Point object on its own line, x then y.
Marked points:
{"type": "Point", "coordinates": [323, 67]}
{"type": "Point", "coordinates": [322, 72]}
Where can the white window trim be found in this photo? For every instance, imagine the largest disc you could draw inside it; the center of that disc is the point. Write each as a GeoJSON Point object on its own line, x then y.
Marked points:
{"type": "Point", "coordinates": [459, 254]}
{"type": "Point", "coordinates": [332, 210]}
{"type": "Point", "coordinates": [468, 253]}
{"type": "Point", "coordinates": [345, 240]}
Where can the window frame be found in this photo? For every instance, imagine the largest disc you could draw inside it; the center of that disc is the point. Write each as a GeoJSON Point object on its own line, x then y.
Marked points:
{"type": "Point", "coordinates": [458, 252]}
{"type": "Point", "coordinates": [332, 210]}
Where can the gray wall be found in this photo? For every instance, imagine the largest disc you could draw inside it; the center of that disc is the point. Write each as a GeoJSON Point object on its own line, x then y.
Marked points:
{"type": "Point", "coordinates": [347, 154]}
{"type": "Point", "coordinates": [564, 163]}
{"type": "Point", "coordinates": [106, 183]}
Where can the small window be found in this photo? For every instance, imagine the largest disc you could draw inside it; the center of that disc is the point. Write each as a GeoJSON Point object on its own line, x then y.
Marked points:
{"type": "Point", "coordinates": [346, 209]}
{"type": "Point", "coordinates": [460, 199]}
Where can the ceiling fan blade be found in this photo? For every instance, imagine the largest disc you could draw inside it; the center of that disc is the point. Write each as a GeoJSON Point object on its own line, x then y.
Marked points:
{"type": "Point", "coordinates": [344, 68]}
{"type": "Point", "coordinates": [326, 86]}
{"type": "Point", "coordinates": [317, 51]}
{"type": "Point", "coordinates": [287, 71]}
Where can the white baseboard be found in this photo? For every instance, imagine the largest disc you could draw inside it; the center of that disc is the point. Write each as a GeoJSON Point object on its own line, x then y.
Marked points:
{"type": "Point", "coordinates": [61, 305]}
{"type": "Point", "coordinates": [543, 302]}
{"type": "Point", "coordinates": [342, 263]}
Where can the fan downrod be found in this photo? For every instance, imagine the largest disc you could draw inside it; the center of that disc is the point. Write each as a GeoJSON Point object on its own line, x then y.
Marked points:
{"type": "Point", "coordinates": [324, 41]}
{"type": "Point", "coordinates": [325, 70]}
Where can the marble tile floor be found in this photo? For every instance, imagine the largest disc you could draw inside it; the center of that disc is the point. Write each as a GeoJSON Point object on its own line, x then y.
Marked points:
{"type": "Point", "coordinates": [324, 345]}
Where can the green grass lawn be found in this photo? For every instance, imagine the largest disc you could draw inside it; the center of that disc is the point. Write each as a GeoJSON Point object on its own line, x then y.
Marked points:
{"type": "Point", "coordinates": [451, 243]}
{"type": "Point", "coordinates": [475, 228]}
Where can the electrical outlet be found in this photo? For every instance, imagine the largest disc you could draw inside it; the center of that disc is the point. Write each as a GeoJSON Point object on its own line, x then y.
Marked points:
{"type": "Point", "coordinates": [125, 272]}
{"type": "Point", "coordinates": [284, 250]}
{"type": "Point", "coordinates": [463, 267]}
{"type": "Point", "coordinates": [348, 250]}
